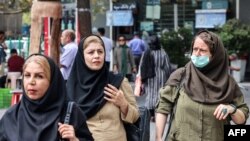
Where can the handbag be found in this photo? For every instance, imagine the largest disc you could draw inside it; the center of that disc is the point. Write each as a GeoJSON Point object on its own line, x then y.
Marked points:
{"type": "Point", "coordinates": [132, 131]}
{"type": "Point", "coordinates": [140, 130]}
{"type": "Point", "coordinates": [144, 124]}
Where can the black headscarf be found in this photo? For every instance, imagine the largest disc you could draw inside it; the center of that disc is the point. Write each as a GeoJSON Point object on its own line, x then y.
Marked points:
{"type": "Point", "coordinates": [148, 61]}
{"type": "Point", "coordinates": [86, 86]}
{"type": "Point", "coordinates": [37, 120]}
{"type": "Point", "coordinates": [212, 83]}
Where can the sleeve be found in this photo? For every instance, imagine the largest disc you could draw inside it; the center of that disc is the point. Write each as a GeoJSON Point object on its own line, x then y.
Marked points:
{"type": "Point", "coordinates": [166, 64]}
{"type": "Point", "coordinates": [241, 105]}
{"type": "Point", "coordinates": [68, 57]}
{"type": "Point", "coordinates": [131, 58]}
{"type": "Point", "coordinates": [133, 110]}
{"type": "Point", "coordinates": [166, 100]}
{"type": "Point", "coordinates": [115, 56]}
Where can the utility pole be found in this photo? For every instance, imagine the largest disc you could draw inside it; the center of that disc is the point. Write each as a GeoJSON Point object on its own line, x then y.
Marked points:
{"type": "Point", "coordinates": [84, 18]}
{"type": "Point", "coordinates": [237, 9]}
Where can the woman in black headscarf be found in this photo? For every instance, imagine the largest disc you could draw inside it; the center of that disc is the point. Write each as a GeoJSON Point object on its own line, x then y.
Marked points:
{"type": "Point", "coordinates": [155, 71]}
{"type": "Point", "coordinates": [106, 99]}
{"type": "Point", "coordinates": [40, 114]}
{"type": "Point", "coordinates": [208, 99]}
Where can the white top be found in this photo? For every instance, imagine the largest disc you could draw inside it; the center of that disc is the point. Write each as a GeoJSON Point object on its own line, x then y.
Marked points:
{"type": "Point", "coordinates": [67, 58]}
{"type": "Point", "coordinates": [108, 47]}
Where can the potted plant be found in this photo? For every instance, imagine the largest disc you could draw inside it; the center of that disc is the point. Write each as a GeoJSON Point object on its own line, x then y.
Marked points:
{"type": "Point", "coordinates": [236, 38]}
{"type": "Point", "coordinates": [177, 44]}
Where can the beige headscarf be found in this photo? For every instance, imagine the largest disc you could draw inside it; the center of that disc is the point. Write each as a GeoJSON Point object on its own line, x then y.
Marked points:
{"type": "Point", "coordinates": [212, 83]}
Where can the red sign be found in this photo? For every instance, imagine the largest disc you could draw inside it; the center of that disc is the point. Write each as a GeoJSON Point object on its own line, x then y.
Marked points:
{"type": "Point", "coordinates": [46, 30]}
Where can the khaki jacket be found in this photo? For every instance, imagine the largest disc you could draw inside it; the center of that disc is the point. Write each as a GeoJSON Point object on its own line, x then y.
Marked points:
{"type": "Point", "coordinates": [107, 124]}
{"type": "Point", "coordinates": [194, 121]}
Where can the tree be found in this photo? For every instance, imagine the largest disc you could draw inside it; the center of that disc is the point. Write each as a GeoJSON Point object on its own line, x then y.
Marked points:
{"type": "Point", "coordinates": [177, 44]}
{"type": "Point", "coordinates": [236, 37]}
{"type": "Point", "coordinates": [15, 6]}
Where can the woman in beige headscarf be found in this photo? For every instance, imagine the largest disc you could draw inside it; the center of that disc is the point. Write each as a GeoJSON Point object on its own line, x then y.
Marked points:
{"type": "Point", "coordinates": [208, 99]}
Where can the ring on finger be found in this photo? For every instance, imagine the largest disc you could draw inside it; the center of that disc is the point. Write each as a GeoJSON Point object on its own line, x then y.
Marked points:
{"type": "Point", "coordinates": [224, 111]}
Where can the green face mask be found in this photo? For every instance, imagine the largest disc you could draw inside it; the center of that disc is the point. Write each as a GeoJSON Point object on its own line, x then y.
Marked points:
{"type": "Point", "coordinates": [200, 61]}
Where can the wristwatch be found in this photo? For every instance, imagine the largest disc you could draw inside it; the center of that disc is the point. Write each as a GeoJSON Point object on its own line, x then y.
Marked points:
{"type": "Point", "coordinates": [235, 109]}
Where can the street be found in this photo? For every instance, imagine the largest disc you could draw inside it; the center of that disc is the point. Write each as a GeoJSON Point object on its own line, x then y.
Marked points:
{"type": "Point", "coordinates": [141, 100]}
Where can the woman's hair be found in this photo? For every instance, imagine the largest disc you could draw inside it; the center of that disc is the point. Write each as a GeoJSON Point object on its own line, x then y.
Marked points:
{"type": "Point", "coordinates": [207, 38]}
{"type": "Point", "coordinates": [92, 39]}
{"type": "Point", "coordinates": [42, 61]}
{"type": "Point", "coordinates": [121, 36]}
{"type": "Point", "coordinates": [2, 36]}
{"type": "Point", "coordinates": [154, 42]}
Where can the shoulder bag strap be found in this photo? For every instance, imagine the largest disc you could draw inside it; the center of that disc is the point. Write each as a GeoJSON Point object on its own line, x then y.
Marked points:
{"type": "Point", "coordinates": [68, 113]}
{"type": "Point", "coordinates": [175, 102]}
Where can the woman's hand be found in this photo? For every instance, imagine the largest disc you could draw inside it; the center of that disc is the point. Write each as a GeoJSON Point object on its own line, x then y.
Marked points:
{"type": "Point", "coordinates": [222, 111]}
{"type": "Point", "coordinates": [67, 132]}
{"type": "Point", "coordinates": [112, 94]}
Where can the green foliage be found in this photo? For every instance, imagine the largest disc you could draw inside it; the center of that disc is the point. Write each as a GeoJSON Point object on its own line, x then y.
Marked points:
{"type": "Point", "coordinates": [235, 36]}
{"type": "Point", "coordinates": [176, 44]}
{"type": "Point", "coordinates": [26, 18]}
{"type": "Point", "coordinates": [15, 6]}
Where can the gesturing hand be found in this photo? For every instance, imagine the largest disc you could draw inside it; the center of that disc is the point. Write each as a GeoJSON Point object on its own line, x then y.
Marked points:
{"type": "Point", "coordinates": [112, 94]}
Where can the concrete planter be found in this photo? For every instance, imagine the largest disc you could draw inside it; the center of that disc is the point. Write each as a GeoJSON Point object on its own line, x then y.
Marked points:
{"type": "Point", "coordinates": [239, 75]}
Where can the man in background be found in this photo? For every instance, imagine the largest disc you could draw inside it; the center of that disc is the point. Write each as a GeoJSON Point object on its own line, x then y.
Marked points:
{"type": "Point", "coordinates": [69, 52]}
{"type": "Point", "coordinates": [15, 64]}
{"type": "Point", "coordinates": [108, 45]}
{"type": "Point", "coordinates": [3, 47]}
{"type": "Point", "coordinates": [137, 46]}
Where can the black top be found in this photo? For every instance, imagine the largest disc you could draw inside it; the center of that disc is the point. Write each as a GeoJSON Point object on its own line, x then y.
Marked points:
{"type": "Point", "coordinates": [37, 120]}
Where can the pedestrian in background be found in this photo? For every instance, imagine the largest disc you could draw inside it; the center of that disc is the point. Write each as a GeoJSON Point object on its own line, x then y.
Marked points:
{"type": "Point", "coordinates": [40, 114]}
{"type": "Point", "coordinates": [108, 46]}
{"type": "Point", "coordinates": [123, 59]}
{"type": "Point", "coordinates": [155, 70]}
{"type": "Point", "coordinates": [3, 54]}
{"type": "Point", "coordinates": [145, 37]}
{"type": "Point", "coordinates": [209, 97]}
{"type": "Point", "coordinates": [137, 46]}
{"type": "Point", "coordinates": [69, 52]}
{"type": "Point", "coordinates": [107, 99]}
{"type": "Point", "coordinates": [15, 64]}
